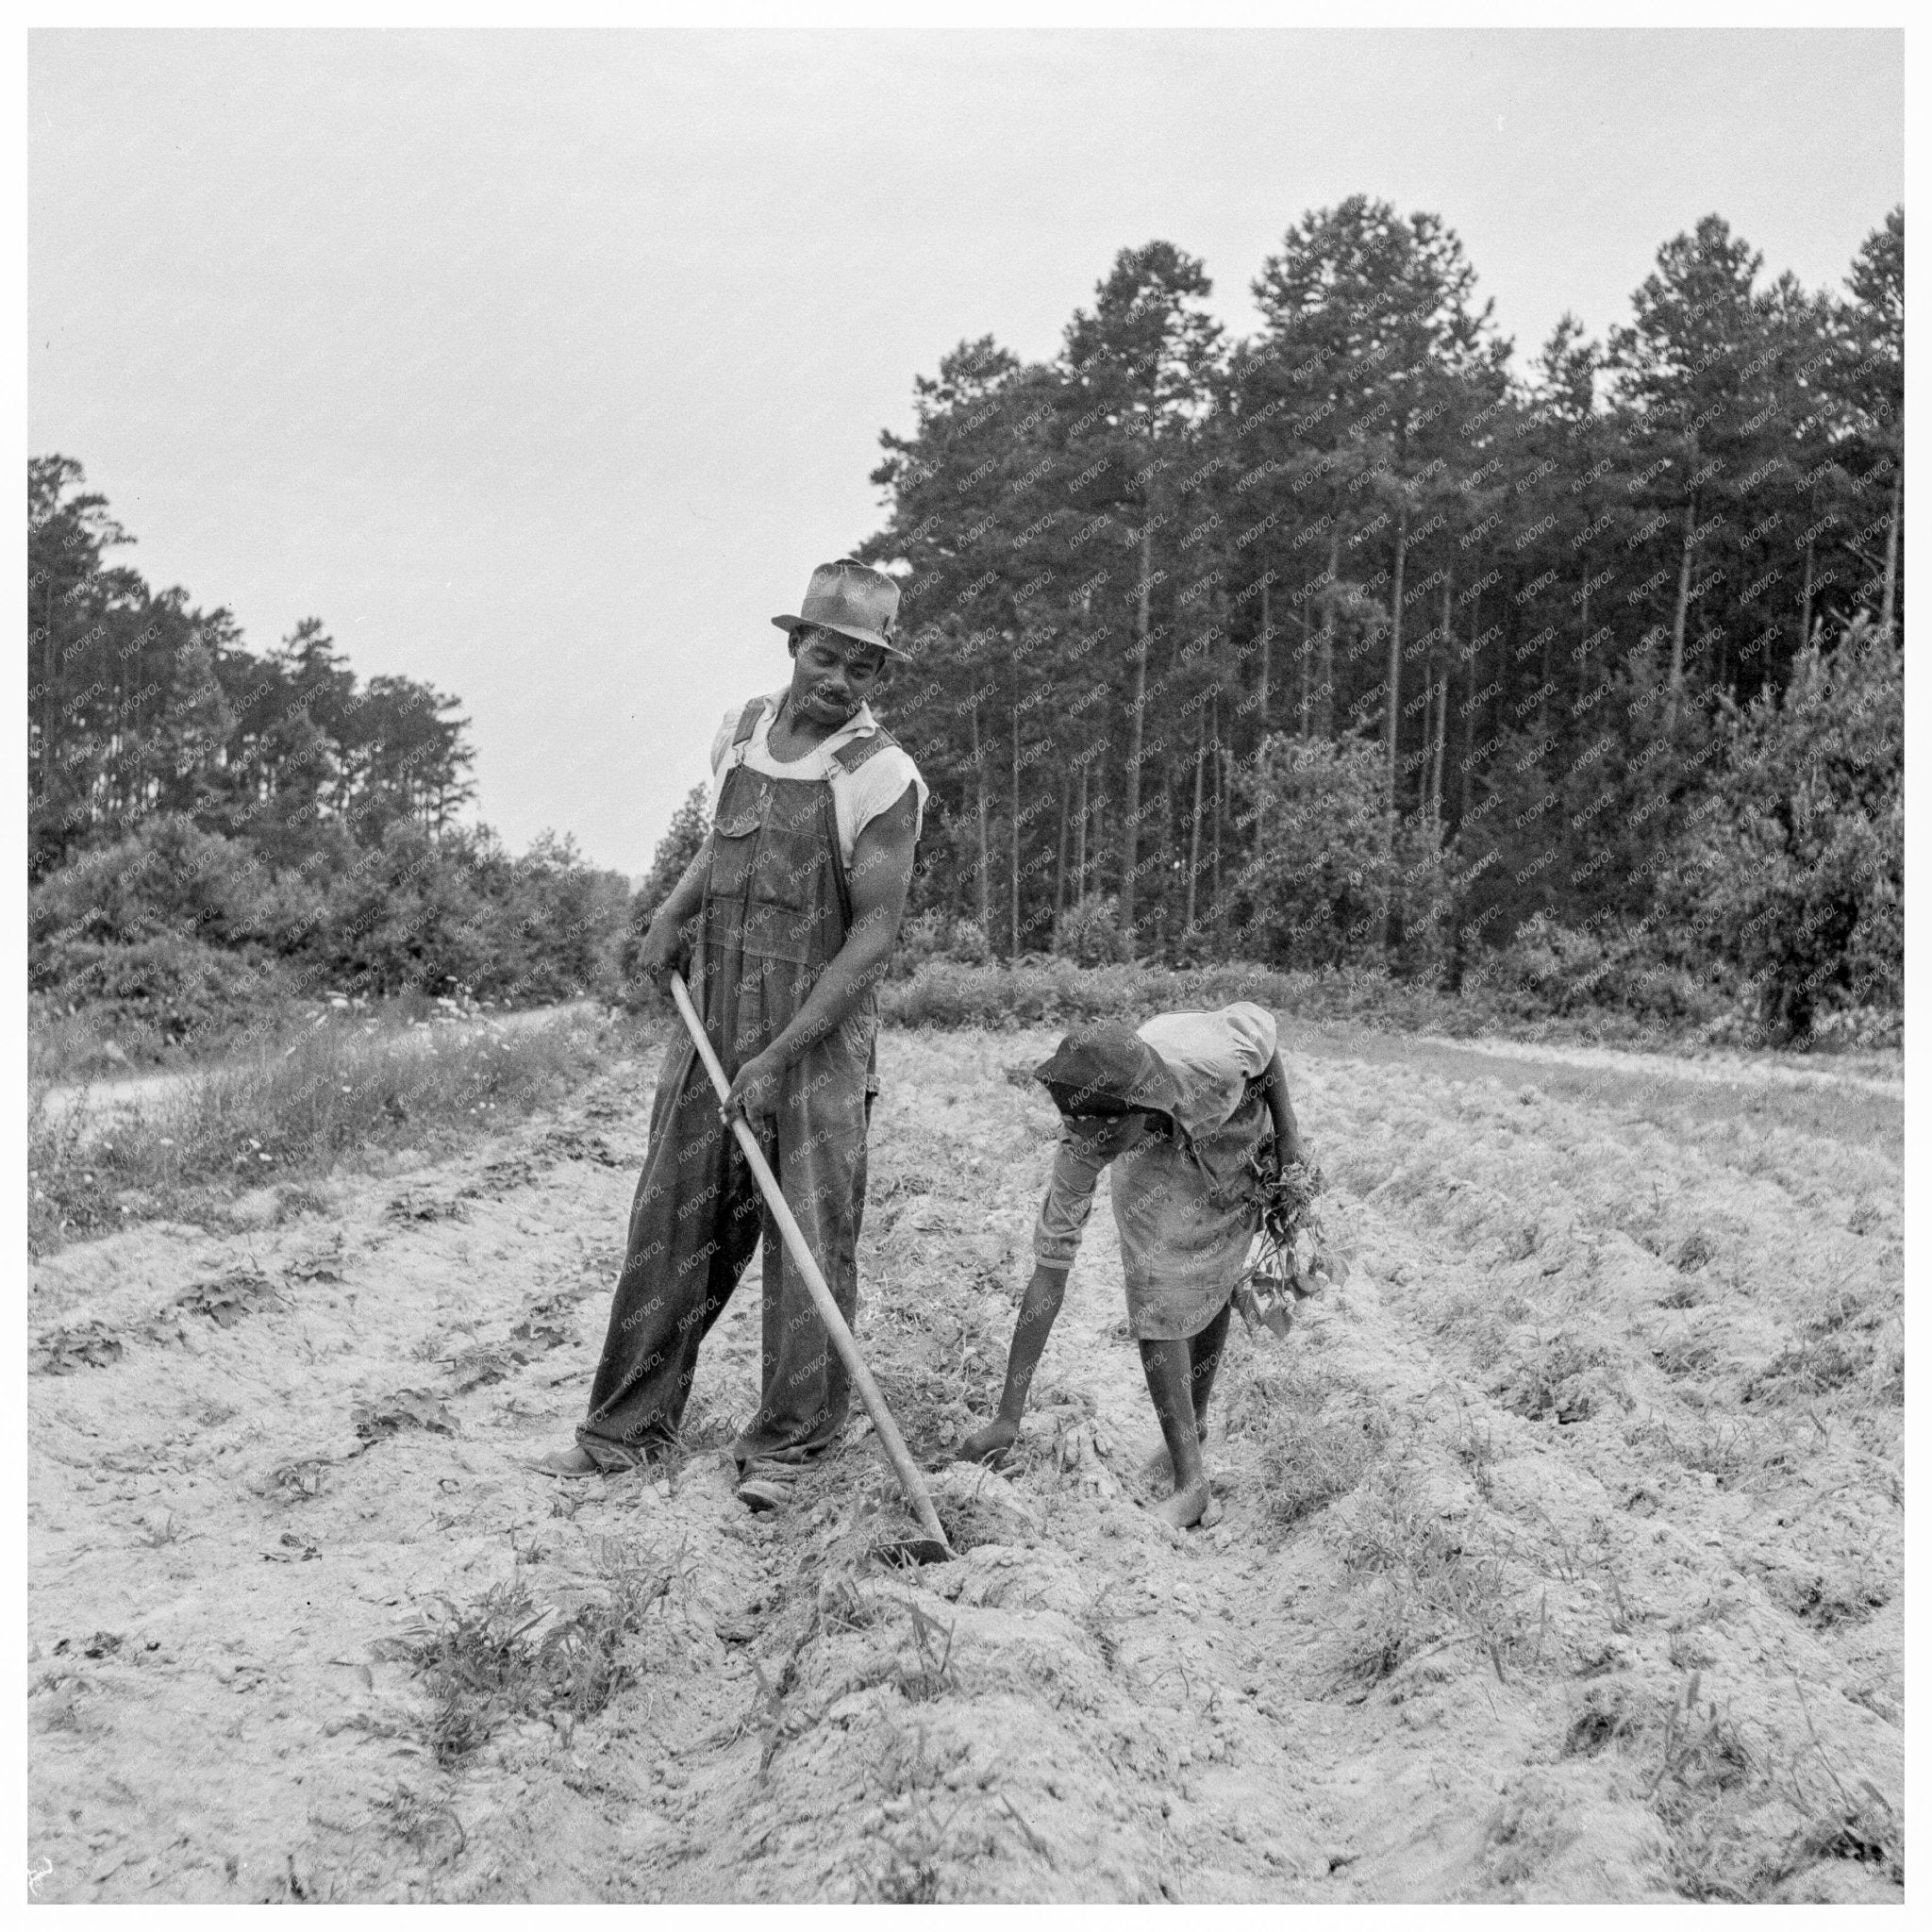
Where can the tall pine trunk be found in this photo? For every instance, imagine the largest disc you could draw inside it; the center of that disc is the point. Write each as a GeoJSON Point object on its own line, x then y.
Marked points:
{"type": "Point", "coordinates": [1080, 843]}
{"type": "Point", "coordinates": [1130, 831]}
{"type": "Point", "coordinates": [1220, 808]}
{"type": "Point", "coordinates": [1443, 702]}
{"type": "Point", "coordinates": [1474, 681]}
{"type": "Point", "coordinates": [1326, 693]}
{"type": "Point", "coordinates": [1441, 729]}
{"type": "Point", "coordinates": [1394, 699]}
{"type": "Point", "coordinates": [1308, 648]}
{"type": "Point", "coordinates": [1195, 830]}
{"type": "Point", "coordinates": [1267, 639]}
{"type": "Point", "coordinates": [1060, 868]}
{"type": "Point", "coordinates": [1890, 598]}
{"type": "Point", "coordinates": [1676, 683]}
{"type": "Point", "coordinates": [1013, 844]}
{"type": "Point", "coordinates": [1164, 905]}
{"type": "Point", "coordinates": [1395, 694]}
{"type": "Point", "coordinates": [985, 856]}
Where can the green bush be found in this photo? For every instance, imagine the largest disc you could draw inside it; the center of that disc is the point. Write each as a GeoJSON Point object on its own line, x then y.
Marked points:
{"type": "Point", "coordinates": [548, 921]}
{"type": "Point", "coordinates": [414, 912]}
{"type": "Point", "coordinates": [1793, 874]}
{"type": "Point", "coordinates": [1090, 933]}
{"type": "Point", "coordinates": [936, 935]}
{"type": "Point", "coordinates": [169, 876]}
{"type": "Point", "coordinates": [1056, 992]}
{"type": "Point", "coordinates": [1332, 871]}
{"type": "Point", "coordinates": [1548, 967]}
{"type": "Point", "coordinates": [1060, 993]}
{"type": "Point", "coordinates": [153, 994]}
{"type": "Point", "coordinates": [404, 916]}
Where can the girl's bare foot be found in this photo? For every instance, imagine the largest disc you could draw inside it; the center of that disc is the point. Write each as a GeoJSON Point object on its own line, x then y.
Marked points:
{"type": "Point", "coordinates": [1159, 1466]}
{"type": "Point", "coordinates": [1194, 1507]}
{"type": "Point", "coordinates": [990, 1444]}
{"type": "Point", "coordinates": [571, 1462]}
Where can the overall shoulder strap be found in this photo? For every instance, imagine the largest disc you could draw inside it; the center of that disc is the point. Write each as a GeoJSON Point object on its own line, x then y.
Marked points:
{"type": "Point", "coordinates": [851, 755]}
{"type": "Point", "coordinates": [748, 720]}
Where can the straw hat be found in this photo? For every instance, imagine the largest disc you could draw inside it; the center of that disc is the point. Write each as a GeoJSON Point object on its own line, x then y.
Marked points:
{"type": "Point", "coordinates": [852, 599]}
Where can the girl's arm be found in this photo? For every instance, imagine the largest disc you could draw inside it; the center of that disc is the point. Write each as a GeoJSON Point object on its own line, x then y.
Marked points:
{"type": "Point", "coordinates": [1287, 1140]}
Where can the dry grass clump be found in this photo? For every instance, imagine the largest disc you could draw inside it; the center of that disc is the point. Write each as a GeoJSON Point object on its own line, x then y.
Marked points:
{"type": "Point", "coordinates": [1428, 1580]}
{"type": "Point", "coordinates": [338, 1093]}
{"type": "Point", "coordinates": [1482, 1323]}
{"type": "Point", "coordinates": [1318, 1441]}
{"type": "Point", "coordinates": [1709, 1783]}
{"type": "Point", "coordinates": [424, 1822]}
{"type": "Point", "coordinates": [931, 1673]}
{"type": "Point", "coordinates": [1826, 1600]}
{"type": "Point", "coordinates": [1851, 1340]}
{"type": "Point", "coordinates": [1745, 1820]}
{"type": "Point", "coordinates": [1560, 1376]}
{"type": "Point", "coordinates": [1863, 1827]}
{"type": "Point", "coordinates": [481, 1668]}
{"type": "Point", "coordinates": [908, 1845]}
{"type": "Point", "coordinates": [1604, 1713]}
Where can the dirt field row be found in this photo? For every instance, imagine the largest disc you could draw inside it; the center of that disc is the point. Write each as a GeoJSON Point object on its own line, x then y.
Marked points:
{"type": "Point", "coordinates": [1561, 1557]}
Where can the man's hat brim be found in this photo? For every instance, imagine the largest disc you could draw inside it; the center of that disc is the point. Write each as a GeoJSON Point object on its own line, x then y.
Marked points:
{"type": "Point", "coordinates": [878, 639]}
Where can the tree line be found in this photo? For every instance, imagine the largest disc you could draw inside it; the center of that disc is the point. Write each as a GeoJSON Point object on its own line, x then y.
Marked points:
{"type": "Point", "coordinates": [211, 829]}
{"type": "Point", "coordinates": [140, 704]}
{"type": "Point", "coordinates": [1351, 640]}
{"type": "Point", "coordinates": [1347, 643]}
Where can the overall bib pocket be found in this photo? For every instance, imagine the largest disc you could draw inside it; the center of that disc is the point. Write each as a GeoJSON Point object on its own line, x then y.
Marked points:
{"type": "Point", "coordinates": [734, 852]}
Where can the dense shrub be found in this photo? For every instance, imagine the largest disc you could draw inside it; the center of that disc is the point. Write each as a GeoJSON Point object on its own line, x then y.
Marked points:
{"type": "Point", "coordinates": [935, 934]}
{"type": "Point", "coordinates": [548, 920]}
{"type": "Point", "coordinates": [1794, 873]}
{"type": "Point", "coordinates": [1056, 992]}
{"type": "Point", "coordinates": [151, 994]}
{"type": "Point", "coordinates": [1332, 871]}
{"type": "Point", "coordinates": [1090, 933]}
{"type": "Point", "coordinates": [167, 875]}
{"type": "Point", "coordinates": [675, 850]}
{"type": "Point", "coordinates": [158, 930]}
{"type": "Point", "coordinates": [400, 917]}
{"type": "Point", "coordinates": [1548, 967]}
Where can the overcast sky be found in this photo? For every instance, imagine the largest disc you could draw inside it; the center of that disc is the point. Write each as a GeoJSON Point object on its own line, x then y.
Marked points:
{"type": "Point", "coordinates": [546, 366]}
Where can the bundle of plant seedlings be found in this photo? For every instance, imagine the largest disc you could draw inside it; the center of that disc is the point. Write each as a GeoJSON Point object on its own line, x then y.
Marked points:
{"type": "Point", "coordinates": [1293, 1255]}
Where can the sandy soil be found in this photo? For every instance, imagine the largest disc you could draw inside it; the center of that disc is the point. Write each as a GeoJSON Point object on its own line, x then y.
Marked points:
{"type": "Point", "coordinates": [1561, 1556]}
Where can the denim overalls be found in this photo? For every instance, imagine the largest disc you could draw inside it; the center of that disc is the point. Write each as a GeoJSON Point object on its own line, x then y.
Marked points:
{"type": "Point", "coordinates": [775, 910]}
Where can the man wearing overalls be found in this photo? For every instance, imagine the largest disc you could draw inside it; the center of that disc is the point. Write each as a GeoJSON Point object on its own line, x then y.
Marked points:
{"type": "Point", "coordinates": [785, 919]}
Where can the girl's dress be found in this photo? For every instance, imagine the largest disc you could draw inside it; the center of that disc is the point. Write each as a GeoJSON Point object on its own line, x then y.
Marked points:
{"type": "Point", "coordinates": [1184, 1201]}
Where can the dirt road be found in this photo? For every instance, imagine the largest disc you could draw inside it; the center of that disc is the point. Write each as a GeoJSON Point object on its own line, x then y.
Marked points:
{"type": "Point", "coordinates": [1561, 1556]}
{"type": "Point", "coordinates": [100, 1102]}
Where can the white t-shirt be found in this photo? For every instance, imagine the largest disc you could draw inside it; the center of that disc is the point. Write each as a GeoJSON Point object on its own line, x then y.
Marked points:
{"type": "Point", "coordinates": [858, 797]}
{"type": "Point", "coordinates": [1212, 1055]}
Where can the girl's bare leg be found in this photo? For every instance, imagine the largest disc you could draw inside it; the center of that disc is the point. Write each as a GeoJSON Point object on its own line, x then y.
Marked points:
{"type": "Point", "coordinates": [1169, 1369]}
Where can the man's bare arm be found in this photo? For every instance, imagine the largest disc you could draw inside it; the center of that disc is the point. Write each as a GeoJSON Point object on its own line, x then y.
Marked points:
{"type": "Point", "coordinates": [666, 946]}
